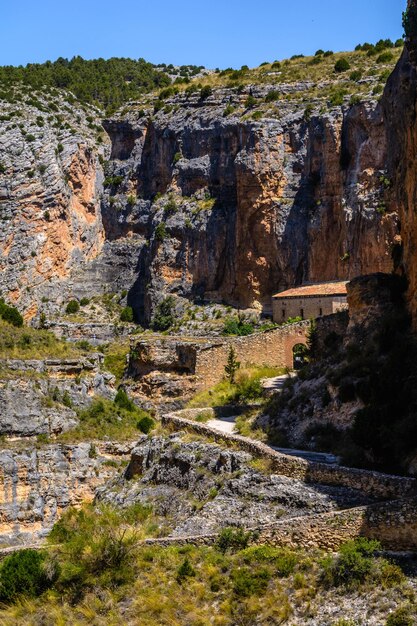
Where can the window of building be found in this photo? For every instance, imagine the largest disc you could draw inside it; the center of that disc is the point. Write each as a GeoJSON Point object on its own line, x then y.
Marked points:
{"type": "Point", "coordinates": [302, 313]}
{"type": "Point", "coordinates": [321, 312]}
{"type": "Point", "coordinates": [283, 313]}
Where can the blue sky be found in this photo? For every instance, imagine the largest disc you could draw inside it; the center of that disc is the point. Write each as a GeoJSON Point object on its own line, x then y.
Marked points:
{"type": "Point", "coordinates": [214, 33]}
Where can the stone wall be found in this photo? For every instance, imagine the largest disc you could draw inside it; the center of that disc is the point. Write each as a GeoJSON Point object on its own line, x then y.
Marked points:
{"type": "Point", "coordinates": [206, 359]}
{"type": "Point", "coordinates": [383, 486]}
{"type": "Point", "coordinates": [394, 524]}
{"type": "Point", "coordinates": [94, 333]}
{"type": "Point", "coordinates": [306, 307]}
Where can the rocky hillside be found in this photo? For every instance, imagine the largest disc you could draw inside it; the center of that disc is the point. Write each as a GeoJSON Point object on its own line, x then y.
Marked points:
{"type": "Point", "coordinates": [227, 191]}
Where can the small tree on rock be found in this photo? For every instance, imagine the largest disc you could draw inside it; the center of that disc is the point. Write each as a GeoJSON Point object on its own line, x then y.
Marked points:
{"type": "Point", "coordinates": [231, 366]}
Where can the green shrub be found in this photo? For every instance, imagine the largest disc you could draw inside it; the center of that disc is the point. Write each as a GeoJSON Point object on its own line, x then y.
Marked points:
{"type": "Point", "coordinates": [228, 110]}
{"type": "Point", "coordinates": [206, 92]}
{"type": "Point", "coordinates": [164, 318]}
{"type": "Point", "coordinates": [233, 539]}
{"type": "Point", "coordinates": [400, 617]}
{"type": "Point", "coordinates": [145, 424]}
{"type": "Point", "coordinates": [385, 57]}
{"type": "Point", "coordinates": [66, 399]}
{"type": "Point", "coordinates": [171, 207]}
{"type": "Point", "coordinates": [247, 582]}
{"type": "Point", "coordinates": [123, 401]}
{"type": "Point", "coordinates": [127, 314]}
{"type": "Point", "coordinates": [185, 570]}
{"type": "Point", "coordinates": [160, 232]}
{"type": "Point", "coordinates": [283, 560]}
{"type": "Point", "coordinates": [113, 181]}
{"type": "Point", "coordinates": [10, 314]}
{"type": "Point", "coordinates": [237, 326]}
{"type": "Point", "coordinates": [342, 65]}
{"type": "Point", "coordinates": [355, 76]}
{"type": "Point", "coordinates": [23, 574]}
{"type": "Point", "coordinates": [257, 115]}
{"type": "Point", "coordinates": [353, 565]}
{"type": "Point", "coordinates": [272, 96]}
{"type": "Point", "coordinates": [72, 307]}
{"type": "Point", "coordinates": [250, 102]}
{"type": "Point", "coordinates": [84, 301]}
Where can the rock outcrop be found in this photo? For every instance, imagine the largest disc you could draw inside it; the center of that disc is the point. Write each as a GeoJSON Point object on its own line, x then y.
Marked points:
{"type": "Point", "coordinates": [38, 484]}
{"type": "Point", "coordinates": [399, 104]}
{"type": "Point", "coordinates": [252, 206]}
{"type": "Point", "coordinates": [50, 185]}
{"type": "Point", "coordinates": [201, 487]}
{"type": "Point", "coordinates": [40, 397]}
{"type": "Point", "coordinates": [191, 202]}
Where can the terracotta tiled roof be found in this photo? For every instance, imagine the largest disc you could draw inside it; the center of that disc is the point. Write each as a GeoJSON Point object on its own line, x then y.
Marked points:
{"type": "Point", "coordinates": [335, 288]}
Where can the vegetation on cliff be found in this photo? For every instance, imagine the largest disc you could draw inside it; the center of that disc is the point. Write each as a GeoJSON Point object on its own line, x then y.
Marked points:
{"type": "Point", "coordinates": [105, 83]}
{"type": "Point", "coordinates": [99, 573]}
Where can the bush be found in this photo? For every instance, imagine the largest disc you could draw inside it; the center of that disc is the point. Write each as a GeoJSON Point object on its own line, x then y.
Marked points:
{"type": "Point", "coordinates": [127, 314]}
{"type": "Point", "coordinates": [233, 539]}
{"type": "Point", "coordinates": [272, 96]}
{"type": "Point", "coordinates": [160, 232]}
{"type": "Point", "coordinates": [247, 583]}
{"type": "Point", "coordinates": [342, 65]}
{"type": "Point", "coordinates": [355, 76]}
{"type": "Point", "coordinates": [145, 424]}
{"type": "Point", "coordinates": [123, 401]}
{"type": "Point", "coordinates": [353, 565]}
{"type": "Point", "coordinates": [237, 326]}
{"type": "Point", "coordinates": [84, 301]}
{"type": "Point", "coordinates": [10, 314]}
{"type": "Point", "coordinates": [385, 57]}
{"type": "Point", "coordinates": [171, 206]}
{"type": "Point", "coordinates": [23, 574]}
{"type": "Point", "coordinates": [206, 92]}
{"type": "Point", "coordinates": [164, 318]}
{"type": "Point", "coordinates": [185, 570]}
{"type": "Point", "coordinates": [400, 617]}
{"type": "Point", "coordinates": [72, 307]}
{"type": "Point", "coordinates": [250, 102]}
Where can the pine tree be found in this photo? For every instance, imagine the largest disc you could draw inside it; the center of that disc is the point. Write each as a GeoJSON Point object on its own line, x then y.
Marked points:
{"type": "Point", "coordinates": [231, 366]}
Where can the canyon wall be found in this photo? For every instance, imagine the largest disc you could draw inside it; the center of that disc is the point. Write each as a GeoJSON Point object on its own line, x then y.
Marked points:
{"type": "Point", "coordinates": [399, 104]}
{"type": "Point", "coordinates": [190, 201]}
{"type": "Point", "coordinates": [258, 206]}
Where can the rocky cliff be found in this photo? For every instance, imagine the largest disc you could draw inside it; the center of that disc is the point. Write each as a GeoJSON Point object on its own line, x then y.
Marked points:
{"type": "Point", "coordinates": [250, 207]}
{"type": "Point", "coordinates": [196, 198]}
{"type": "Point", "coordinates": [400, 105]}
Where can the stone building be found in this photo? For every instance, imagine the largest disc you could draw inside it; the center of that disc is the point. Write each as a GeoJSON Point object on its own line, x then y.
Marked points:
{"type": "Point", "coordinates": [310, 301]}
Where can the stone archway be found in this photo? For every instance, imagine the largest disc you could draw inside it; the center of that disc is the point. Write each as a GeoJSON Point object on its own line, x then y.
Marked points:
{"type": "Point", "coordinates": [299, 352]}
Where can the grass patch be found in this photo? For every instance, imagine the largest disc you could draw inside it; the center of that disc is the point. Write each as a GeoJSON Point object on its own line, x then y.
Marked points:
{"type": "Point", "coordinates": [31, 343]}
{"type": "Point", "coordinates": [115, 358]}
{"type": "Point", "coordinates": [104, 419]}
{"type": "Point", "coordinates": [247, 388]}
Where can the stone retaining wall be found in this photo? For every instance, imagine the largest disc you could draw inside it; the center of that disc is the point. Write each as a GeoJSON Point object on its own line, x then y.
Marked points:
{"type": "Point", "coordinates": [382, 486]}
{"type": "Point", "coordinates": [394, 524]}
{"type": "Point", "coordinates": [206, 358]}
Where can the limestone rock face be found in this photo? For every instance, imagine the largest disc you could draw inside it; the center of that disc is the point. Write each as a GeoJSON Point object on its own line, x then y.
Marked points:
{"type": "Point", "coordinates": [400, 108]}
{"type": "Point", "coordinates": [37, 485]}
{"type": "Point", "coordinates": [50, 181]}
{"type": "Point", "coordinates": [34, 395]}
{"type": "Point", "coordinates": [173, 474]}
{"type": "Point", "coordinates": [260, 205]}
